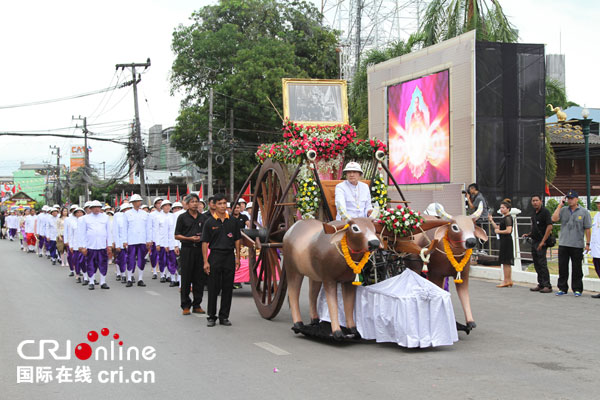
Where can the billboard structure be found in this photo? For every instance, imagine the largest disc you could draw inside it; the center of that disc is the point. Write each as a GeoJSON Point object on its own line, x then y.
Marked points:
{"type": "Point", "coordinates": [77, 157]}
{"type": "Point", "coordinates": [419, 130]}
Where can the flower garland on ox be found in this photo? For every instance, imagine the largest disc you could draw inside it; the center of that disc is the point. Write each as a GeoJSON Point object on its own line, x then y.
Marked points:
{"type": "Point", "coordinates": [356, 268]}
{"type": "Point", "coordinates": [457, 266]}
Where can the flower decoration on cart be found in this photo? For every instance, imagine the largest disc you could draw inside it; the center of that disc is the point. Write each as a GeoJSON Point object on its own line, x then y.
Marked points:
{"type": "Point", "coordinates": [401, 221]}
{"type": "Point", "coordinates": [308, 197]}
{"type": "Point", "coordinates": [379, 191]}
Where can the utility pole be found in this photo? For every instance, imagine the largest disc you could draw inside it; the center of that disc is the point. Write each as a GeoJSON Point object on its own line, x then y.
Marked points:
{"type": "Point", "coordinates": [231, 194]}
{"type": "Point", "coordinates": [103, 170]}
{"type": "Point", "coordinates": [57, 196]}
{"type": "Point", "coordinates": [210, 144]}
{"type": "Point", "coordinates": [86, 153]}
{"type": "Point", "coordinates": [138, 134]}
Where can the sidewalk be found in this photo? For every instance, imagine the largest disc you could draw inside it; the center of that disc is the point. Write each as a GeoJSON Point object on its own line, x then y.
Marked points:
{"type": "Point", "coordinates": [495, 273]}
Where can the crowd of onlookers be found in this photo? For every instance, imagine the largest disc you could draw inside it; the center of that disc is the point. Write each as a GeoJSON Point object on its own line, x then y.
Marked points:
{"type": "Point", "coordinates": [578, 234]}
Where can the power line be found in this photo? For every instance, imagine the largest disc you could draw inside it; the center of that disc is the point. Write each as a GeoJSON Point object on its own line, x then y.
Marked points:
{"type": "Point", "coordinates": [76, 96]}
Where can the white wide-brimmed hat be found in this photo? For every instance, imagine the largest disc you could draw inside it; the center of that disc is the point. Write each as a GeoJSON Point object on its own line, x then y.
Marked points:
{"type": "Point", "coordinates": [145, 206]}
{"type": "Point", "coordinates": [78, 209]}
{"type": "Point", "coordinates": [157, 199]}
{"type": "Point", "coordinates": [87, 204]}
{"type": "Point", "coordinates": [95, 203]}
{"type": "Point", "coordinates": [353, 166]}
{"type": "Point", "coordinates": [166, 202]}
{"type": "Point", "coordinates": [126, 206]}
{"type": "Point", "coordinates": [74, 206]}
{"type": "Point", "coordinates": [177, 204]}
{"type": "Point", "coordinates": [249, 205]}
{"type": "Point", "coordinates": [135, 197]}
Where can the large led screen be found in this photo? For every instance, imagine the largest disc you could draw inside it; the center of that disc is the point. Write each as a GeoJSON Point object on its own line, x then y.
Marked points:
{"type": "Point", "coordinates": [419, 130]}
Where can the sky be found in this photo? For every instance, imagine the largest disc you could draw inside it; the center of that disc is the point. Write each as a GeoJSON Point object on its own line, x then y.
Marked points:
{"type": "Point", "coordinates": [62, 48]}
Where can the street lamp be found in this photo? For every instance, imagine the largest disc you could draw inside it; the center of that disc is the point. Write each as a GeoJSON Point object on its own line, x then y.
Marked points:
{"type": "Point", "coordinates": [585, 125]}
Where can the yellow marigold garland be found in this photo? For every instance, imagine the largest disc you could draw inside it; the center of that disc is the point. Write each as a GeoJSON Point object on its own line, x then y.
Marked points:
{"type": "Point", "coordinates": [356, 268]}
{"type": "Point", "coordinates": [457, 266]}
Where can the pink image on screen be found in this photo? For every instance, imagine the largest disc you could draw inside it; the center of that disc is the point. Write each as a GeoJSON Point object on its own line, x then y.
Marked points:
{"type": "Point", "coordinates": [419, 130]}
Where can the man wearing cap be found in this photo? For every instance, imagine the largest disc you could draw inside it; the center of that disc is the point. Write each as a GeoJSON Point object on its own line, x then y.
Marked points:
{"type": "Point", "coordinates": [119, 237]}
{"type": "Point", "coordinates": [574, 222]}
{"type": "Point", "coordinates": [40, 222]}
{"type": "Point", "coordinates": [188, 230]}
{"type": "Point", "coordinates": [51, 234]}
{"type": "Point", "coordinates": [154, 214]}
{"type": "Point", "coordinates": [77, 240]}
{"type": "Point", "coordinates": [138, 239]}
{"type": "Point", "coordinates": [352, 197]}
{"type": "Point", "coordinates": [161, 236]}
{"type": "Point", "coordinates": [243, 205]}
{"type": "Point", "coordinates": [98, 240]}
{"type": "Point", "coordinates": [70, 221]}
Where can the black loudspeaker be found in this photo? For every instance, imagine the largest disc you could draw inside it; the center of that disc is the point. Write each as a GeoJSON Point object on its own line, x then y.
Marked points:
{"type": "Point", "coordinates": [510, 100]}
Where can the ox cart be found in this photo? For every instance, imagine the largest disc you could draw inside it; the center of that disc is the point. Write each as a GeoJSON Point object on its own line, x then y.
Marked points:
{"type": "Point", "coordinates": [279, 195]}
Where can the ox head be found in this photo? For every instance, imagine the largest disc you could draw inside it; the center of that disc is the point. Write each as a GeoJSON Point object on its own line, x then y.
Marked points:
{"type": "Point", "coordinates": [461, 230]}
{"type": "Point", "coordinates": [360, 233]}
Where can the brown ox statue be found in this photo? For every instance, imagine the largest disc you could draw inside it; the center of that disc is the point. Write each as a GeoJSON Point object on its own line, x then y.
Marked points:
{"type": "Point", "coordinates": [461, 234]}
{"type": "Point", "coordinates": [312, 248]}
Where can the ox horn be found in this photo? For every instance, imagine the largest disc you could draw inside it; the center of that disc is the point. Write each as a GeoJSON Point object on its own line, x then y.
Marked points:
{"type": "Point", "coordinates": [439, 209]}
{"type": "Point", "coordinates": [478, 212]}
{"type": "Point", "coordinates": [376, 211]}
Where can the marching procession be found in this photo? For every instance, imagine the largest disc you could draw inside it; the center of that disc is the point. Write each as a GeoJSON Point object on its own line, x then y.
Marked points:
{"type": "Point", "coordinates": [176, 238]}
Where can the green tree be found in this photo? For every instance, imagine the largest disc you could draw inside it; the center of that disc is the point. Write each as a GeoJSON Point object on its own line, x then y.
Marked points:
{"type": "Point", "coordinates": [445, 19]}
{"type": "Point", "coordinates": [242, 50]}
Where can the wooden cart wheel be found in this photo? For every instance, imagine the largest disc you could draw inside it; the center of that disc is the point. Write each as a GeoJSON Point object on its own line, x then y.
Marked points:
{"type": "Point", "coordinates": [267, 276]}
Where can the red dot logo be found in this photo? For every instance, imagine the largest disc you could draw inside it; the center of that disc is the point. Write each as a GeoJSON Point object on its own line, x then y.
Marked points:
{"type": "Point", "coordinates": [92, 336]}
{"type": "Point", "coordinates": [121, 343]}
{"type": "Point", "coordinates": [116, 336]}
{"type": "Point", "coordinates": [104, 331]}
{"type": "Point", "coordinates": [83, 351]}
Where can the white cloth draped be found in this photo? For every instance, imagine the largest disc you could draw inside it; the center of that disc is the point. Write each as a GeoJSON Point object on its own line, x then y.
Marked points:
{"type": "Point", "coordinates": [406, 309]}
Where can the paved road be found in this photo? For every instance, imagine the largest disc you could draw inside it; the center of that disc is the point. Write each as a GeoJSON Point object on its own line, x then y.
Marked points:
{"type": "Point", "coordinates": [526, 345]}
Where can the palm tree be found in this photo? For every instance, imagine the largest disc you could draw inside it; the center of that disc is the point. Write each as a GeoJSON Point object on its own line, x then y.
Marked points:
{"type": "Point", "coordinates": [445, 19]}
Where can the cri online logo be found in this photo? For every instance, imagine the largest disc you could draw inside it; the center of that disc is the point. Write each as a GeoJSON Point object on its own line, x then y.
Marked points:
{"type": "Point", "coordinates": [83, 351]}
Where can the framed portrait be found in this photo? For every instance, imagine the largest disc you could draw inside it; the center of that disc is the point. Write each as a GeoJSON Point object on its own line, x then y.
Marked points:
{"type": "Point", "coordinates": [315, 101]}
{"type": "Point", "coordinates": [419, 130]}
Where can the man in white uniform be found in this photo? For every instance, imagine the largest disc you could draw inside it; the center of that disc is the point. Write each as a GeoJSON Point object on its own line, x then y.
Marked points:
{"type": "Point", "coordinates": [353, 197]}
{"type": "Point", "coordinates": [137, 240]}
{"type": "Point", "coordinates": [154, 215]}
{"type": "Point", "coordinates": [98, 243]}
{"type": "Point", "coordinates": [51, 234]}
{"type": "Point", "coordinates": [30, 220]}
{"type": "Point", "coordinates": [118, 238]}
{"type": "Point", "coordinates": [70, 223]}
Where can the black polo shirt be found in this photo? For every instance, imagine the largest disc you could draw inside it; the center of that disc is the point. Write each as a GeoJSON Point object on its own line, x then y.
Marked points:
{"type": "Point", "coordinates": [539, 222]}
{"type": "Point", "coordinates": [189, 226]}
{"type": "Point", "coordinates": [221, 235]}
{"type": "Point", "coordinates": [242, 219]}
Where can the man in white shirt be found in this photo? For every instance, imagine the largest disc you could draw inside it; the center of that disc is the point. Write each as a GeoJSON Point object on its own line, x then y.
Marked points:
{"type": "Point", "coordinates": [118, 237]}
{"type": "Point", "coordinates": [51, 234]}
{"type": "Point", "coordinates": [161, 237]}
{"type": "Point", "coordinates": [70, 221]}
{"type": "Point", "coordinates": [40, 222]}
{"type": "Point", "coordinates": [154, 214]}
{"type": "Point", "coordinates": [352, 197]}
{"type": "Point", "coordinates": [76, 240]}
{"type": "Point", "coordinates": [98, 242]}
{"type": "Point", "coordinates": [30, 220]}
{"type": "Point", "coordinates": [137, 240]}
{"type": "Point", "coordinates": [12, 225]}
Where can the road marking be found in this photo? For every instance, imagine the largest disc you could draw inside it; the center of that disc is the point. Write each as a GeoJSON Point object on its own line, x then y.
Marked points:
{"type": "Point", "coordinates": [153, 293]}
{"type": "Point", "coordinates": [271, 348]}
{"type": "Point", "coordinates": [199, 315]}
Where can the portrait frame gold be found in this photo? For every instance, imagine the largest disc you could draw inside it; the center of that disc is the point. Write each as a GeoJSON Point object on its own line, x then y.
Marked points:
{"type": "Point", "coordinates": [289, 83]}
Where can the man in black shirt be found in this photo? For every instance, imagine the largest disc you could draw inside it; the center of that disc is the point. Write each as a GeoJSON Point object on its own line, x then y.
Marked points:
{"type": "Point", "coordinates": [541, 227]}
{"type": "Point", "coordinates": [211, 207]}
{"type": "Point", "coordinates": [188, 230]}
{"type": "Point", "coordinates": [242, 218]}
{"type": "Point", "coordinates": [221, 233]}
